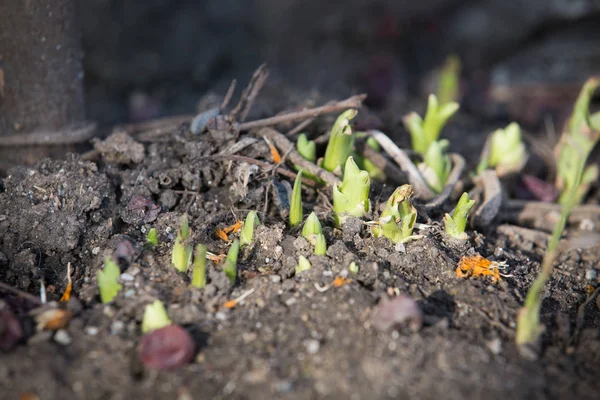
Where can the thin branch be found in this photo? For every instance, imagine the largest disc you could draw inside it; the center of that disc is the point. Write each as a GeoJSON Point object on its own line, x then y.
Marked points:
{"type": "Point", "coordinates": [249, 94]}
{"type": "Point", "coordinates": [287, 147]}
{"type": "Point", "coordinates": [392, 172]}
{"type": "Point", "coordinates": [228, 95]}
{"type": "Point", "coordinates": [300, 127]}
{"type": "Point", "coordinates": [20, 292]}
{"type": "Point", "coordinates": [351, 102]}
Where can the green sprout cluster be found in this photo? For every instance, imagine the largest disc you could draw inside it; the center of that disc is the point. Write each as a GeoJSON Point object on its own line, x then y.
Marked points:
{"type": "Point", "coordinates": [199, 267]}
{"type": "Point", "coordinates": [155, 317]}
{"type": "Point", "coordinates": [303, 265]}
{"type": "Point", "coordinates": [247, 233]}
{"type": "Point", "coordinates": [182, 249]}
{"type": "Point", "coordinates": [295, 217]}
{"type": "Point", "coordinates": [578, 140]}
{"type": "Point", "coordinates": [313, 232]}
{"type": "Point", "coordinates": [397, 220]}
{"type": "Point", "coordinates": [351, 197]}
{"type": "Point", "coordinates": [436, 165]}
{"type": "Point", "coordinates": [449, 80]}
{"type": "Point", "coordinates": [230, 265]}
{"type": "Point", "coordinates": [456, 223]}
{"type": "Point", "coordinates": [507, 152]}
{"type": "Point", "coordinates": [340, 143]}
{"type": "Point", "coordinates": [306, 148]}
{"type": "Point", "coordinates": [152, 238]}
{"type": "Point", "coordinates": [108, 280]}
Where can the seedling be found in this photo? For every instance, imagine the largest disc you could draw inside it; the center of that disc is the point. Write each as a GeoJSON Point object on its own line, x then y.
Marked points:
{"type": "Point", "coordinates": [574, 148]}
{"type": "Point", "coordinates": [199, 267]}
{"type": "Point", "coordinates": [506, 152]}
{"type": "Point", "coordinates": [340, 143]}
{"type": "Point", "coordinates": [397, 220]}
{"type": "Point", "coordinates": [576, 143]}
{"type": "Point", "coordinates": [320, 245]}
{"type": "Point", "coordinates": [352, 195]}
{"type": "Point", "coordinates": [436, 165]}
{"type": "Point", "coordinates": [182, 250]}
{"type": "Point", "coordinates": [424, 132]}
{"type": "Point", "coordinates": [155, 317]}
{"type": "Point", "coordinates": [303, 265]}
{"type": "Point", "coordinates": [152, 238]}
{"type": "Point", "coordinates": [108, 280]}
{"type": "Point", "coordinates": [366, 164]}
{"type": "Point", "coordinates": [306, 148]}
{"type": "Point", "coordinates": [449, 80]}
{"type": "Point", "coordinates": [312, 227]}
{"type": "Point", "coordinates": [353, 268]}
{"type": "Point", "coordinates": [247, 233]}
{"type": "Point", "coordinates": [455, 224]}
{"type": "Point", "coordinates": [296, 202]}
{"type": "Point", "coordinates": [230, 265]}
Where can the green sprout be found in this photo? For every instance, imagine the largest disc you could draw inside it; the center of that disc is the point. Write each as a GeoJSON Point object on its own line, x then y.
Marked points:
{"type": "Point", "coordinates": [353, 268]}
{"type": "Point", "coordinates": [155, 317]}
{"type": "Point", "coordinates": [312, 227]}
{"type": "Point", "coordinates": [306, 148]}
{"type": "Point", "coordinates": [320, 245]}
{"type": "Point", "coordinates": [182, 250]}
{"type": "Point", "coordinates": [507, 151]}
{"type": "Point", "coordinates": [296, 202]}
{"type": "Point", "coordinates": [397, 220]}
{"type": "Point", "coordinates": [352, 195]}
{"type": "Point", "coordinates": [436, 165]}
{"type": "Point", "coordinates": [340, 143]}
{"type": "Point", "coordinates": [108, 280]}
{"type": "Point", "coordinates": [303, 265]}
{"type": "Point", "coordinates": [449, 80]}
{"type": "Point", "coordinates": [247, 232]}
{"type": "Point", "coordinates": [199, 267]}
{"type": "Point", "coordinates": [152, 238]}
{"type": "Point", "coordinates": [455, 224]}
{"type": "Point", "coordinates": [576, 145]}
{"type": "Point", "coordinates": [424, 132]}
{"type": "Point", "coordinates": [230, 265]}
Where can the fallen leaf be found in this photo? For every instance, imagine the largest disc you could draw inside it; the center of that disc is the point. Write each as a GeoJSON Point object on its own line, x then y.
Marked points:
{"type": "Point", "coordinates": [53, 319]}
{"type": "Point", "coordinates": [67, 294]}
{"type": "Point", "coordinates": [234, 228]}
{"type": "Point", "coordinates": [478, 266]}
{"type": "Point", "coordinates": [221, 234]}
{"type": "Point", "coordinates": [230, 303]}
{"type": "Point", "coordinates": [340, 281]}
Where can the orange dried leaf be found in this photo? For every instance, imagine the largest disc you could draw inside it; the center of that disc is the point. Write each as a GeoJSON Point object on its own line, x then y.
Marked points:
{"type": "Point", "coordinates": [221, 234]}
{"type": "Point", "coordinates": [478, 266]}
{"type": "Point", "coordinates": [217, 258]}
{"type": "Point", "coordinates": [275, 154]}
{"type": "Point", "coordinates": [230, 303]}
{"type": "Point", "coordinates": [340, 281]}
{"type": "Point", "coordinates": [233, 228]}
{"type": "Point", "coordinates": [67, 294]}
{"type": "Point", "coordinates": [53, 319]}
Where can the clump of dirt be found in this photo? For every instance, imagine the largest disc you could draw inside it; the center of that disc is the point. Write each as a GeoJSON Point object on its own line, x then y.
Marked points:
{"type": "Point", "coordinates": [294, 335]}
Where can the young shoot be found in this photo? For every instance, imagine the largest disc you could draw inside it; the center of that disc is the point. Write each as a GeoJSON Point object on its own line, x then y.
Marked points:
{"type": "Point", "coordinates": [108, 280]}
{"type": "Point", "coordinates": [306, 148]}
{"type": "Point", "coordinates": [320, 245]}
{"type": "Point", "coordinates": [352, 195]}
{"type": "Point", "coordinates": [155, 317]}
{"type": "Point", "coordinates": [303, 265]}
{"type": "Point", "coordinates": [247, 233]}
{"type": "Point", "coordinates": [506, 152]}
{"type": "Point", "coordinates": [340, 143]}
{"type": "Point", "coordinates": [449, 80]}
{"type": "Point", "coordinates": [312, 227]}
{"type": "Point", "coordinates": [455, 224]}
{"type": "Point", "coordinates": [230, 264]}
{"type": "Point", "coordinates": [152, 238]}
{"type": "Point", "coordinates": [574, 148]}
{"type": "Point", "coordinates": [436, 165]}
{"type": "Point", "coordinates": [397, 220]}
{"type": "Point", "coordinates": [182, 250]}
{"type": "Point", "coordinates": [296, 202]}
{"type": "Point", "coordinates": [424, 132]}
{"type": "Point", "coordinates": [199, 267]}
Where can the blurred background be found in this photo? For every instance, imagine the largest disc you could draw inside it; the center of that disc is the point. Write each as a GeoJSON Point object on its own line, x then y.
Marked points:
{"type": "Point", "coordinates": [521, 59]}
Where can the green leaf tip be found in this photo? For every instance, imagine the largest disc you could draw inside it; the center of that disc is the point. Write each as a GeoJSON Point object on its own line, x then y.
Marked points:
{"type": "Point", "coordinates": [247, 233]}
{"type": "Point", "coordinates": [340, 142]}
{"type": "Point", "coordinates": [456, 223]}
{"type": "Point", "coordinates": [199, 267]}
{"type": "Point", "coordinates": [295, 217]}
{"type": "Point", "coordinates": [108, 280]}
{"type": "Point", "coordinates": [506, 152]}
{"type": "Point", "coordinates": [306, 148]}
{"type": "Point", "coordinates": [320, 245]}
{"type": "Point", "coordinates": [424, 132]}
{"type": "Point", "coordinates": [181, 255]}
{"type": "Point", "coordinates": [352, 195]}
{"type": "Point", "coordinates": [449, 80]}
{"type": "Point", "coordinates": [152, 238]}
{"type": "Point", "coordinates": [155, 317]}
{"type": "Point", "coordinates": [397, 221]}
{"type": "Point", "coordinates": [230, 263]}
{"type": "Point", "coordinates": [312, 227]}
{"type": "Point", "coordinates": [303, 265]}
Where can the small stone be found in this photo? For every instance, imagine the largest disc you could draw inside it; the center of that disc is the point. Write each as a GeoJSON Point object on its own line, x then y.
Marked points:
{"type": "Point", "coordinates": [96, 251]}
{"type": "Point", "coordinates": [126, 277]}
{"type": "Point", "coordinates": [312, 346]}
{"type": "Point", "coordinates": [400, 248]}
{"type": "Point", "coordinates": [275, 278]}
{"type": "Point", "coordinates": [91, 330]}
{"type": "Point", "coordinates": [116, 327]}
{"type": "Point", "coordinates": [62, 337]}
{"type": "Point", "coordinates": [221, 316]}
{"type": "Point", "coordinates": [591, 274]}
{"type": "Point", "coordinates": [291, 301]}
{"type": "Point", "coordinates": [495, 346]}
{"type": "Point", "coordinates": [129, 293]}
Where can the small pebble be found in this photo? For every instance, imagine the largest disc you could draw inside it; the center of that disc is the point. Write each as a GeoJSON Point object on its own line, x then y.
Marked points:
{"type": "Point", "coordinates": [221, 316]}
{"type": "Point", "coordinates": [62, 337]}
{"type": "Point", "coordinates": [96, 251]}
{"type": "Point", "coordinates": [275, 278]}
{"type": "Point", "coordinates": [591, 274]}
{"type": "Point", "coordinates": [91, 330]}
{"type": "Point", "coordinates": [116, 327]}
{"type": "Point", "coordinates": [312, 346]}
{"type": "Point", "coordinates": [400, 248]}
{"type": "Point", "coordinates": [291, 301]}
{"type": "Point", "coordinates": [126, 277]}
{"type": "Point", "coordinates": [129, 293]}
{"type": "Point", "coordinates": [495, 346]}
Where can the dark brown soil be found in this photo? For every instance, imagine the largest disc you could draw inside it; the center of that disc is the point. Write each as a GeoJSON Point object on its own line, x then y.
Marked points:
{"type": "Point", "coordinates": [295, 336]}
